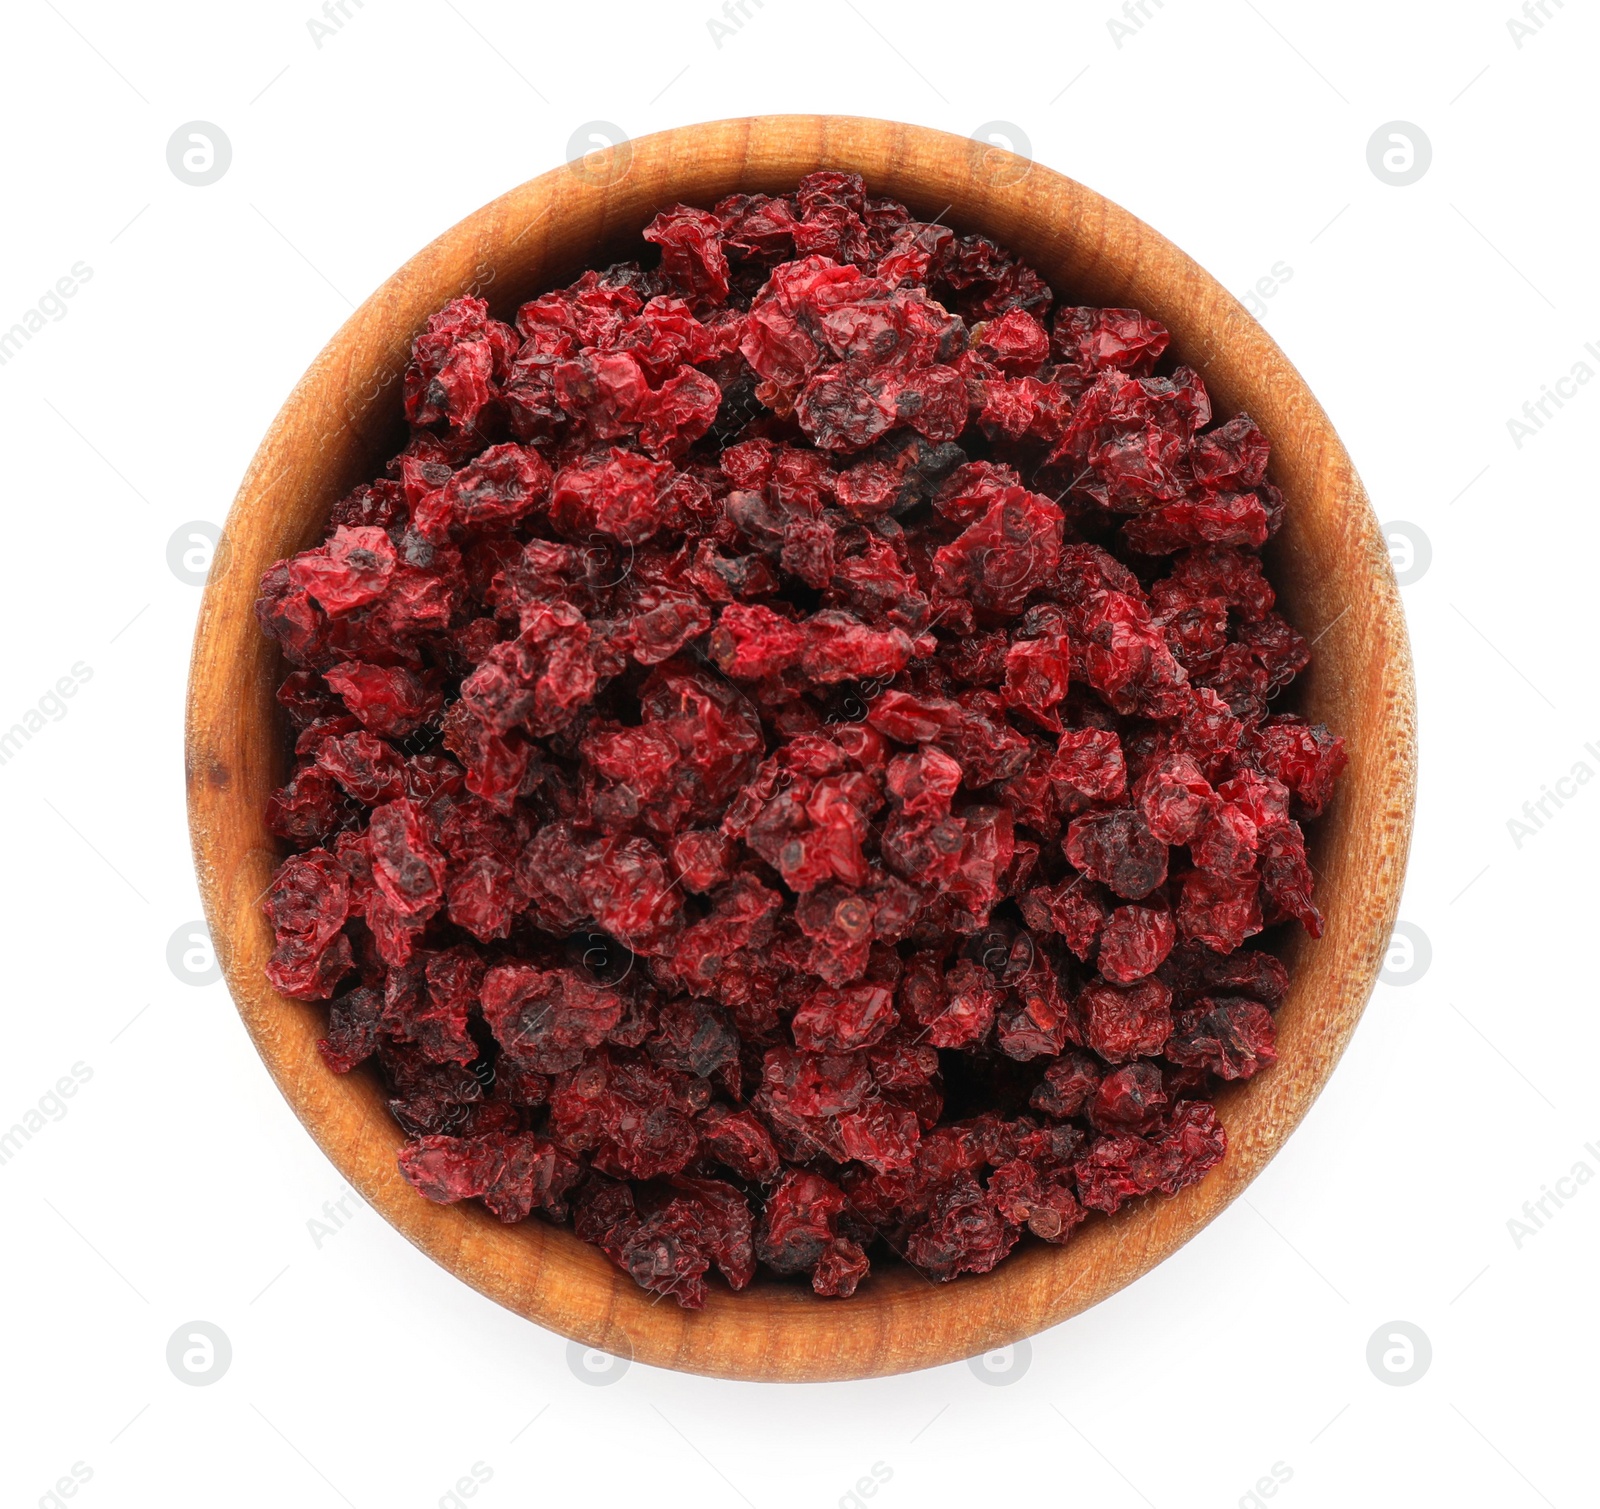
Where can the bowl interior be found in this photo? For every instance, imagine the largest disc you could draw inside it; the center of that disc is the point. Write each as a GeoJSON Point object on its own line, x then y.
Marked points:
{"type": "Point", "coordinates": [1329, 563]}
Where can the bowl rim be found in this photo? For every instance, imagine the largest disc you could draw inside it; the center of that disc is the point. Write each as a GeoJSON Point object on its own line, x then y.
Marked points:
{"type": "Point", "coordinates": [1332, 546]}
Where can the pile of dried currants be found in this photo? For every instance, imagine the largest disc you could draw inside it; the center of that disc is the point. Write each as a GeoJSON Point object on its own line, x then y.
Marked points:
{"type": "Point", "coordinates": [785, 759]}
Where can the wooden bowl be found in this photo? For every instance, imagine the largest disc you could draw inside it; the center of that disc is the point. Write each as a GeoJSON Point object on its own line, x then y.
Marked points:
{"type": "Point", "coordinates": [1330, 563]}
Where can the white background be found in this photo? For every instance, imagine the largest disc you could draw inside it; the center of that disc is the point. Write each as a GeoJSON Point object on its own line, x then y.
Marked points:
{"type": "Point", "coordinates": [178, 1186]}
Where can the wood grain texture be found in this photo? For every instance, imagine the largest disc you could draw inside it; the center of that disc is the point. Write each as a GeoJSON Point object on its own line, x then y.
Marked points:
{"type": "Point", "coordinates": [342, 422]}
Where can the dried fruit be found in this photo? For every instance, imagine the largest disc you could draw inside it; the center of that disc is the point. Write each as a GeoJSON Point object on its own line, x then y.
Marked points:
{"type": "Point", "coordinates": [787, 758]}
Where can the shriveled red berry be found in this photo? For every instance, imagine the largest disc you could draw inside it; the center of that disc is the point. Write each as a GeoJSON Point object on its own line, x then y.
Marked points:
{"type": "Point", "coordinates": [799, 1222]}
{"type": "Point", "coordinates": [1118, 1168]}
{"type": "Point", "coordinates": [1231, 1036]}
{"type": "Point", "coordinates": [1174, 798]}
{"type": "Point", "coordinates": [1134, 941]}
{"type": "Point", "coordinates": [1118, 849]}
{"type": "Point", "coordinates": [1129, 1099]}
{"type": "Point", "coordinates": [1069, 1084]}
{"type": "Point", "coordinates": [512, 1173]}
{"type": "Point", "coordinates": [1126, 1022]}
{"type": "Point", "coordinates": [1219, 912]}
